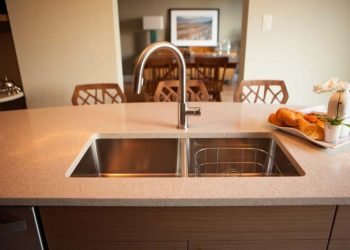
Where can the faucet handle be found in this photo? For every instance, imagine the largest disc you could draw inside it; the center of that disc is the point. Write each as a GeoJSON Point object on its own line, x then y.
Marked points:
{"type": "Point", "coordinates": [193, 111]}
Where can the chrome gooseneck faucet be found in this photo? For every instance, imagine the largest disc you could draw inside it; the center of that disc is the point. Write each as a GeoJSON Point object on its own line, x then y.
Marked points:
{"type": "Point", "coordinates": [183, 110]}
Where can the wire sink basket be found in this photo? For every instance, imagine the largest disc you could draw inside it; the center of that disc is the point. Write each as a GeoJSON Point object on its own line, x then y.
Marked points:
{"type": "Point", "coordinates": [231, 161]}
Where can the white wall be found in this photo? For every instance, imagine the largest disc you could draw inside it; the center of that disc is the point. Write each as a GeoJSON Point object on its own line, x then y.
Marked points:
{"type": "Point", "coordinates": [309, 42]}
{"type": "Point", "coordinates": [61, 43]}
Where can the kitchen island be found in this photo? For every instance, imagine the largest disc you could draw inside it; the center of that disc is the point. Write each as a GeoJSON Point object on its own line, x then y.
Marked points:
{"type": "Point", "coordinates": [38, 146]}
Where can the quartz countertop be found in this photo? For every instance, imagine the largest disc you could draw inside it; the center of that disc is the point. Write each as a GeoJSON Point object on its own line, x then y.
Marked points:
{"type": "Point", "coordinates": [37, 146]}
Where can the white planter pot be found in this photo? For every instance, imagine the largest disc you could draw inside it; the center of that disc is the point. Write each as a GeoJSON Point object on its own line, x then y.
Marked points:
{"type": "Point", "coordinates": [343, 97]}
{"type": "Point", "coordinates": [331, 132]}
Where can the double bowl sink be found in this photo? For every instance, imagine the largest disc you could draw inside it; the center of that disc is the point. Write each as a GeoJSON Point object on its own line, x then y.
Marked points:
{"type": "Point", "coordinates": [104, 156]}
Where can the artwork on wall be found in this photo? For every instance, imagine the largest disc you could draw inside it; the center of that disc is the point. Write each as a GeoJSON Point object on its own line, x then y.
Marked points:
{"type": "Point", "coordinates": [194, 27]}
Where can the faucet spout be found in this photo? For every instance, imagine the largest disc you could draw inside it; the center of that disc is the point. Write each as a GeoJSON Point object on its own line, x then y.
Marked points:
{"type": "Point", "coordinates": [183, 110]}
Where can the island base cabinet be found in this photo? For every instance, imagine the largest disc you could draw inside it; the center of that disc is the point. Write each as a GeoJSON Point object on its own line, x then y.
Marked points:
{"type": "Point", "coordinates": [259, 245]}
{"type": "Point", "coordinates": [339, 245]}
{"type": "Point", "coordinates": [119, 245]}
{"type": "Point", "coordinates": [340, 239]}
{"type": "Point", "coordinates": [19, 229]}
{"type": "Point", "coordinates": [294, 227]}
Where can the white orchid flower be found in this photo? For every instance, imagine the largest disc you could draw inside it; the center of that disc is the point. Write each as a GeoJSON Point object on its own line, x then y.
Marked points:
{"type": "Point", "coordinates": [342, 85]}
{"type": "Point", "coordinates": [332, 84]}
{"type": "Point", "coordinates": [318, 88]}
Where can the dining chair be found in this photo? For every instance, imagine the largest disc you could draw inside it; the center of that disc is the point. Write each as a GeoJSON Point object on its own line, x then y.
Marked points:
{"type": "Point", "coordinates": [261, 91]}
{"type": "Point", "coordinates": [211, 70]}
{"type": "Point", "coordinates": [168, 91]}
{"type": "Point", "coordinates": [98, 93]}
{"type": "Point", "coordinates": [158, 68]}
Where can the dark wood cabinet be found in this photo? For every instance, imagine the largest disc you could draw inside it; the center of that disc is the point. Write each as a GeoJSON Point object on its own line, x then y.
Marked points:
{"type": "Point", "coordinates": [88, 245]}
{"type": "Point", "coordinates": [339, 245]}
{"type": "Point", "coordinates": [259, 245]}
{"type": "Point", "coordinates": [19, 229]}
{"type": "Point", "coordinates": [293, 227]}
{"type": "Point", "coordinates": [340, 238]}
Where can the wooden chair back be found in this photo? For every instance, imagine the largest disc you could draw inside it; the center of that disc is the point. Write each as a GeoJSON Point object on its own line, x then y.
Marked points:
{"type": "Point", "coordinates": [168, 91]}
{"type": "Point", "coordinates": [211, 70]}
{"type": "Point", "coordinates": [261, 91]}
{"type": "Point", "coordinates": [159, 68]}
{"type": "Point", "coordinates": [99, 93]}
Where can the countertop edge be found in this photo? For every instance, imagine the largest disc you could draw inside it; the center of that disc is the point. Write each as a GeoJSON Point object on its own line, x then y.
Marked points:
{"type": "Point", "coordinates": [177, 202]}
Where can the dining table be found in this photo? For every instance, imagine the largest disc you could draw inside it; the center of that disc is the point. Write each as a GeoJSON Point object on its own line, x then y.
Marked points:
{"type": "Point", "coordinates": [233, 58]}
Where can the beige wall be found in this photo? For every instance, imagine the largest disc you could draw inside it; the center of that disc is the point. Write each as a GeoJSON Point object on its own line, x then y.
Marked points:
{"type": "Point", "coordinates": [309, 42]}
{"type": "Point", "coordinates": [61, 43]}
{"type": "Point", "coordinates": [134, 39]}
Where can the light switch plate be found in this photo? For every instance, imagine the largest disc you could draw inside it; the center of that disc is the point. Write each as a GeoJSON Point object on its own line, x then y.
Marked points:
{"type": "Point", "coordinates": [267, 23]}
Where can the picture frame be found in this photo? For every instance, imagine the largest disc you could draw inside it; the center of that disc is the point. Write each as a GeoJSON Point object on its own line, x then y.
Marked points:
{"type": "Point", "coordinates": [194, 27]}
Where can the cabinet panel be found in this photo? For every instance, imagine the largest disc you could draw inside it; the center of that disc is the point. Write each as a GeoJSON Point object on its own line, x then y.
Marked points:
{"type": "Point", "coordinates": [259, 245]}
{"type": "Point", "coordinates": [186, 223]}
{"type": "Point", "coordinates": [341, 228]}
{"type": "Point", "coordinates": [18, 228]}
{"type": "Point", "coordinates": [119, 245]}
{"type": "Point", "coordinates": [339, 245]}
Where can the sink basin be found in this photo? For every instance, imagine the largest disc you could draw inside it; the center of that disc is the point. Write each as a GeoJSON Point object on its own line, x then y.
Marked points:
{"type": "Point", "coordinates": [239, 157]}
{"type": "Point", "coordinates": [129, 158]}
{"type": "Point", "coordinates": [177, 157]}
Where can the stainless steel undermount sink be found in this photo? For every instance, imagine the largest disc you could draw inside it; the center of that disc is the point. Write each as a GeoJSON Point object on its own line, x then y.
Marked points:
{"type": "Point", "coordinates": [106, 157]}
{"type": "Point", "coordinates": [183, 157]}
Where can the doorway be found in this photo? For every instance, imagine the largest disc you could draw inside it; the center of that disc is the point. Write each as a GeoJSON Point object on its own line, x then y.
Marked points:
{"type": "Point", "coordinates": [134, 39]}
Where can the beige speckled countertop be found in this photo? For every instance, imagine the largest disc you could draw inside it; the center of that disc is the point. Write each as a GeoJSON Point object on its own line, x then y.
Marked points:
{"type": "Point", "coordinates": [37, 146]}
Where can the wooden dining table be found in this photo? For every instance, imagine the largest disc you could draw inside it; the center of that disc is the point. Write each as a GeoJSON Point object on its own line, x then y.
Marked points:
{"type": "Point", "coordinates": [233, 58]}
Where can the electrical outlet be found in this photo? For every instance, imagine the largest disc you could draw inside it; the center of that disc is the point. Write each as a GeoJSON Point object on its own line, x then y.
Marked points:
{"type": "Point", "coordinates": [267, 23]}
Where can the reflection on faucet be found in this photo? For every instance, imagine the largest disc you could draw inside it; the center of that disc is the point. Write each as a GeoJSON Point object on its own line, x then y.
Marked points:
{"type": "Point", "coordinates": [183, 110]}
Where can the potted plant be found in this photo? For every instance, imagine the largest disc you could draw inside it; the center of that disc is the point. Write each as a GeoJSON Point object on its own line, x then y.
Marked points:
{"type": "Point", "coordinates": [332, 127]}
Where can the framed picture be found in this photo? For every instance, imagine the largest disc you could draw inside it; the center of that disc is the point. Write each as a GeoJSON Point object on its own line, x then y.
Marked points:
{"type": "Point", "coordinates": [194, 27]}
